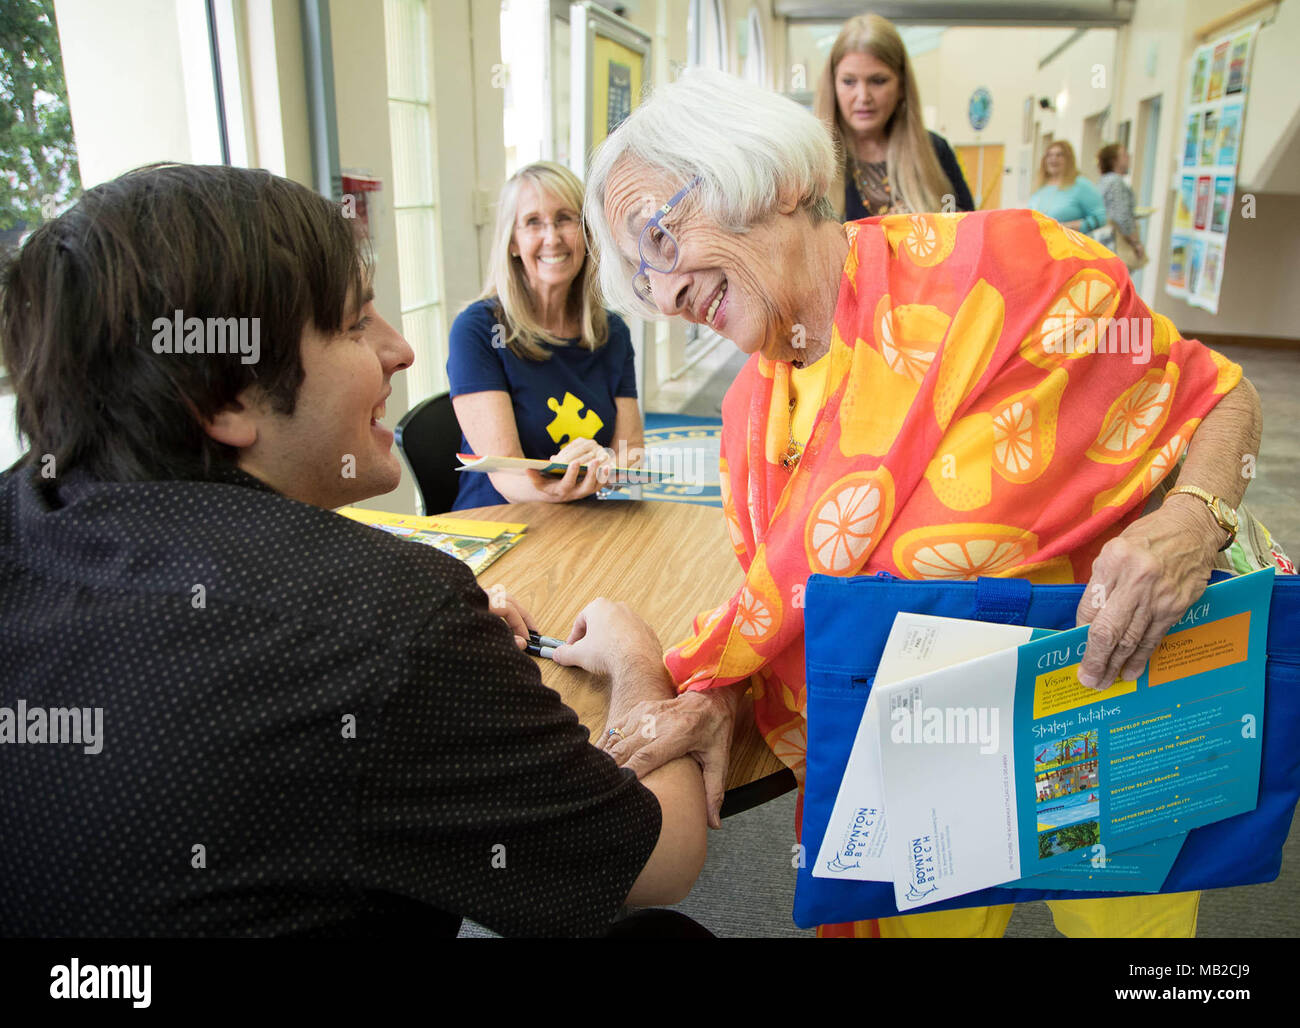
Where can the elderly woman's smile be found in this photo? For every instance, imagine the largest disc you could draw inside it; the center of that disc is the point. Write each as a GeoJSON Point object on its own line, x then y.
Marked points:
{"type": "Point", "coordinates": [715, 314]}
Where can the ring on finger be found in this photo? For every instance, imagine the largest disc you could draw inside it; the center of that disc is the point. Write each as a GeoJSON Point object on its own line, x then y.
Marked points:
{"type": "Point", "coordinates": [614, 731]}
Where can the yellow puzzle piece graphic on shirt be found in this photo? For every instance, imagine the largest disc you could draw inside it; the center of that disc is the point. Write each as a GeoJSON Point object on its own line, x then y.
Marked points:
{"type": "Point", "coordinates": [567, 423]}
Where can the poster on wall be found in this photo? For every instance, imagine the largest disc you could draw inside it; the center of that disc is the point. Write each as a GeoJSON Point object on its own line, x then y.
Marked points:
{"type": "Point", "coordinates": [1218, 81]}
{"type": "Point", "coordinates": [609, 68]}
{"type": "Point", "coordinates": [619, 102]}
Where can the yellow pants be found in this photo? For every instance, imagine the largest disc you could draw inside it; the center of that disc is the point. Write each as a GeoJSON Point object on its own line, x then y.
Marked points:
{"type": "Point", "coordinates": [1133, 917]}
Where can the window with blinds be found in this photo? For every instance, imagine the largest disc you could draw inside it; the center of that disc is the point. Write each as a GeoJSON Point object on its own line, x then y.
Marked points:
{"type": "Point", "coordinates": [410, 119]}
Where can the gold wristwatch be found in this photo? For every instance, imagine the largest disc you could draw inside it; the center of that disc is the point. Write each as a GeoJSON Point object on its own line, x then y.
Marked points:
{"type": "Point", "coordinates": [1223, 512]}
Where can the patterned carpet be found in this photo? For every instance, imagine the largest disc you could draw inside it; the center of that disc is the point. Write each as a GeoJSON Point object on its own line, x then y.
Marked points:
{"type": "Point", "coordinates": [687, 446]}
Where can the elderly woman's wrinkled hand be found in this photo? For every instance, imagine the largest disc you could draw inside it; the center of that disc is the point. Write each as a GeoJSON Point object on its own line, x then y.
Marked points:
{"type": "Point", "coordinates": [651, 734]}
{"type": "Point", "coordinates": [1142, 582]}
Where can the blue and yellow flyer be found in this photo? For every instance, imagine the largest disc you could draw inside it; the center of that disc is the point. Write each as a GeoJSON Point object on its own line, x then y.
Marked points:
{"type": "Point", "coordinates": [1005, 767]}
{"type": "Point", "coordinates": [854, 846]}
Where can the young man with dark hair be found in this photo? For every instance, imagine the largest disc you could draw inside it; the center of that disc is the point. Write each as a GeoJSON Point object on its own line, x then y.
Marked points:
{"type": "Point", "coordinates": [225, 710]}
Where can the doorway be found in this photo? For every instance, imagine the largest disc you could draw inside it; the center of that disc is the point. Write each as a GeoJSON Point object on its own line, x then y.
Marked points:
{"type": "Point", "coordinates": [1144, 159]}
{"type": "Point", "coordinates": [983, 168]}
{"type": "Point", "coordinates": [1092, 142]}
{"type": "Point", "coordinates": [1144, 169]}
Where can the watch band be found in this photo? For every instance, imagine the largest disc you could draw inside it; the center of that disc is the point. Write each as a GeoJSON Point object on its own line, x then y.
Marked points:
{"type": "Point", "coordinates": [1222, 511]}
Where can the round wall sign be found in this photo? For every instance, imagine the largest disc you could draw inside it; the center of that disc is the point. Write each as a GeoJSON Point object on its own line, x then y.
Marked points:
{"type": "Point", "coordinates": [981, 108]}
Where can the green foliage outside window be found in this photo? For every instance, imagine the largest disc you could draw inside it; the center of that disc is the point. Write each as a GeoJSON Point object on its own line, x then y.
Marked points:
{"type": "Point", "coordinates": [38, 156]}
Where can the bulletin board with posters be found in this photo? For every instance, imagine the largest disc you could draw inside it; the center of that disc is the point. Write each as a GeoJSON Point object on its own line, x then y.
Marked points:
{"type": "Point", "coordinates": [1217, 86]}
{"type": "Point", "coordinates": [609, 67]}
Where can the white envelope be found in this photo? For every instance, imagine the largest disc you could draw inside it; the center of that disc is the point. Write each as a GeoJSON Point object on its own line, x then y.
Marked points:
{"type": "Point", "coordinates": [855, 844]}
{"type": "Point", "coordinates": [963, 836]}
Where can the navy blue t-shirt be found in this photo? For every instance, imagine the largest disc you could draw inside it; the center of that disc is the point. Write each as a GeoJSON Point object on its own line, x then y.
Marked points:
{"type": "Point", "coordinates": [569, 396]}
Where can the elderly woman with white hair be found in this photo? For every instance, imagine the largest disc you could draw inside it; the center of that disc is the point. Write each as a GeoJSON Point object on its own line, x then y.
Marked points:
{"type": "Point", "coordinates": [915, 402]}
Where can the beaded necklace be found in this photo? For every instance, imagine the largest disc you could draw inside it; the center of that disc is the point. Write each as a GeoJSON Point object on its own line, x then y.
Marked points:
{"type": "Point", "coordinates": [871, 178]}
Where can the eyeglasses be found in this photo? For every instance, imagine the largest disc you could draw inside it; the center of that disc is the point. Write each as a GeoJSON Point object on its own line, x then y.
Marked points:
{"type": "Point", "coordinates": [657, 248]}
{"type": "Point", "coordinates": [536, 226]}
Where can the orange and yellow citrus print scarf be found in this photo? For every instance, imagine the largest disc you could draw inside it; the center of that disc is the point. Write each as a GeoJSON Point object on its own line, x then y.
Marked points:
{"type": "Point", "coordinates": [999, 402]}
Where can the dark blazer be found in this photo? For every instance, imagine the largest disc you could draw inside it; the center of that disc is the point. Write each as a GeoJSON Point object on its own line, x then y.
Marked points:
{"type": "Point", "coordinates": [854, 211]}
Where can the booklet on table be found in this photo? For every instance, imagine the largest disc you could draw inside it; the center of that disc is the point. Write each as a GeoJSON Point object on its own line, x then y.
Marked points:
{"type": "Point", "coordinates": [476, 543]}
{"type": "Point", "coordinates": [619, 476]}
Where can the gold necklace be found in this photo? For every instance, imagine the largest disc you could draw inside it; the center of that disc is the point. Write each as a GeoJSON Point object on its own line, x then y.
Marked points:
{"type": "Point", "coordinates": [794, 450]}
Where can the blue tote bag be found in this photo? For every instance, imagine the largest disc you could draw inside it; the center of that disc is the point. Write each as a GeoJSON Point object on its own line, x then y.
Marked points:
{"type": "Point", "coordinates": [847, 621]}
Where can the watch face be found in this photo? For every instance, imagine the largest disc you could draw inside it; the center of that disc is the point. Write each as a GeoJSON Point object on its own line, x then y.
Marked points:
{"type": "Point", "coordinates": [1227, 517]}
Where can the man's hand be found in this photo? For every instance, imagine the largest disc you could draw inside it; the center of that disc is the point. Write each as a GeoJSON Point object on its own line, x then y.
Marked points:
{"type": "Point", "coordinates": [1142, 582]}
{"type": "Point", "coordinates": [609, 638]}
{"type": "Point", "coordinates": [519, 620]}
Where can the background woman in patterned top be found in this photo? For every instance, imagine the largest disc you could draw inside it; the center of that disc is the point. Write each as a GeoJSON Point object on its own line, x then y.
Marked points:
{"type": "Point", "coordinates": [868, 98]}
{"type": "Point", "coordinates": [918, 401]}
{"type": "Point", "coordinates": [1113, 163]}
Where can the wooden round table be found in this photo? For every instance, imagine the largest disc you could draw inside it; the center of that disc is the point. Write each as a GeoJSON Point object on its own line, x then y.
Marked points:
{"type": "Point", "coordinates": [667, 561]}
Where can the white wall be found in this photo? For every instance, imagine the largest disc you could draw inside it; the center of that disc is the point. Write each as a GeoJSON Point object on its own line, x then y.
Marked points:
{"type": "Point", "coordinates": [1083, 76]}
{"type": "Point", "coordinates": [124, 64]}
{"type": "Point", "coordinates": [361, 103]}
{"type": "Point", "coordinates": [280, 137]}
{"type": "Point", "coordinates": [1005, 62]}
{"type": "Point", "coordinates": [469, 147]}
{"type": "Point", "coordinates": [140, 84]}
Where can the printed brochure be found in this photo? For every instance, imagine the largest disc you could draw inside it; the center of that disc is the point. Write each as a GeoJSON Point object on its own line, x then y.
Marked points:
{"type": "Point", "coordinates": [1005, 767]}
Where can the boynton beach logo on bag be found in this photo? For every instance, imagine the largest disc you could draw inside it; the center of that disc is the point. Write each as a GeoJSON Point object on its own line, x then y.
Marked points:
{"type": "Point", "coordinates": [856, 838]}
{"type": "Point", "coordinates": [921, 876]}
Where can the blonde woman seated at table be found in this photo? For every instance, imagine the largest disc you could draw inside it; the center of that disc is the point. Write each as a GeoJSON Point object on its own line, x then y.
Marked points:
{"type": "Point", "coordinates": [538, 368]}
{"type": "Point", "coordinates": [1066, 195]}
